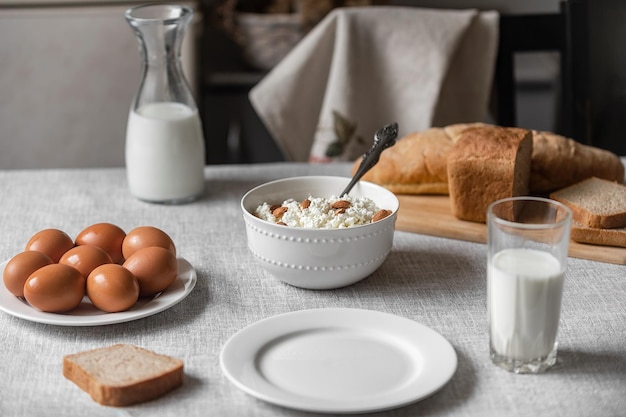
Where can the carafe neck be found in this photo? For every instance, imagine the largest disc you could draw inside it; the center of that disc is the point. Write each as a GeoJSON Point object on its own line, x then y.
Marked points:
{"type": "Point", "coordinates": [160, 30]}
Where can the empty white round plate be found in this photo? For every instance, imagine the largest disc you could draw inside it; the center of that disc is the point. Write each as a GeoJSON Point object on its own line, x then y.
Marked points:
{"type": "Point", "coordinates": [338, 360]}
{"type": "Point", "coordinates": [86, 314]}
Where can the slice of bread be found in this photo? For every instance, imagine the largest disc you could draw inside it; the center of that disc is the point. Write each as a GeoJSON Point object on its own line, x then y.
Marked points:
{"type": "Point", "coordinates": [488, 163]}
{"type": "Point", "coordinates": [594, 236]}
{"type": "Point", "coordinates": [595, 202]}
{"type": "Point", "coordinates": [122, 375]}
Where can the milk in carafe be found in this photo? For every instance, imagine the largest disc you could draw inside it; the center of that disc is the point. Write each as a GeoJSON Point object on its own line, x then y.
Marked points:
{"type": "Point", "coordinates": [164, 152]}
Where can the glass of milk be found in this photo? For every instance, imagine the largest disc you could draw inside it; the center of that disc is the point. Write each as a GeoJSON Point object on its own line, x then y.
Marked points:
{"type": "Point", "coordinates": [528, 241]}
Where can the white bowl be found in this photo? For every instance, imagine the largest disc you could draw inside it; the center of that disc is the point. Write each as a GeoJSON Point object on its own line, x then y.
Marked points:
{"type": "Point", "coordinates": [318, 258]}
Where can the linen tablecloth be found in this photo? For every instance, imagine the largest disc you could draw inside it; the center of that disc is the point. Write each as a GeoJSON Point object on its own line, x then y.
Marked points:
{"type": "Point", "coordinates": [435, 281]}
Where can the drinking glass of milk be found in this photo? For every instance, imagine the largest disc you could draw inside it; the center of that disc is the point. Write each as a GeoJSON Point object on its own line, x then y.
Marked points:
{"type": "Point", "coordinates": [164, 139]}
{"type": "Point", "coordinates": [528, 240]}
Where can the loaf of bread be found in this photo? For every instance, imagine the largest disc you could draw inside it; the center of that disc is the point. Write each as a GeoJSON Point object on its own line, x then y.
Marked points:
{"type": "Point", "coordinates": [488, 163]}
{"type": "Point", "coordinates": [122, 375]}
{"type": "Point", "coordinates": [559, 162]}
{"type": "Point", "coordinates": [417, 163]}
{"type": "Point", "coordinates": [595, 202]}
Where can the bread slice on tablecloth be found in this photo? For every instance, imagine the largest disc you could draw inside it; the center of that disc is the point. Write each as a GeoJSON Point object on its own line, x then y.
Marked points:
{"type": "Point", "coordinates": [122, 375]}
{"type": "Point", "coordinates": [595, 202]}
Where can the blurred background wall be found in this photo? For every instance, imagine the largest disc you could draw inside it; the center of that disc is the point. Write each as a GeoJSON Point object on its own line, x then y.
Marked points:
{"type": "Point", "coordinates": [69, 70]}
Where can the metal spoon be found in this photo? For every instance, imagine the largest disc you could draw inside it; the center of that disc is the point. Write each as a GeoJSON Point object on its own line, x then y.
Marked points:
{"type": "Point", "coordinates": [383, 139]}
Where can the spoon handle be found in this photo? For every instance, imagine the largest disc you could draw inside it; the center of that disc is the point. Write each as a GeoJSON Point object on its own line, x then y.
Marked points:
{"type": "Point", "coordinates": [383, 139]}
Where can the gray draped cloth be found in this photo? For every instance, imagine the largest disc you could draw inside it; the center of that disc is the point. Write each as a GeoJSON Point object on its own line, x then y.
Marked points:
{"type": "Point", "coordinates": [362, 68]}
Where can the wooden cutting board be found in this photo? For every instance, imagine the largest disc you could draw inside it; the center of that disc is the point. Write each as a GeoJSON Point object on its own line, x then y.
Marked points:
{"type": "Point", "coordinates": [432, 215]}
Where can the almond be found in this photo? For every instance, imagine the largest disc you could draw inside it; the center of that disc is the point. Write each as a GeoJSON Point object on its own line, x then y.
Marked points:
{"type": "Point", "coordinates": [274, 207]}
{"type": "Point", "coordinates": [279, 211]}
{"type": "Point", "coordinates": [340, 204]}
{"type": "Point", "coordinates": [305, 203]}
{"type": "Point", "coordinates": [380, 214]}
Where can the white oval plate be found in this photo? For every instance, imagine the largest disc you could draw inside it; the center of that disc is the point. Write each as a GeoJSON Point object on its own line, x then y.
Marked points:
{"type": "Point", "coordinates": [86, 314]}
{"type": "Point", "coordinates": [338, 360]}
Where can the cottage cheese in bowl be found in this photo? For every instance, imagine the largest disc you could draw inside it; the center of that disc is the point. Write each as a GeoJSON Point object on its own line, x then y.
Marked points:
{"type": "Point", "coordinates": [322, 213]}
{"type": "Point", "coordinates": [307, 239]}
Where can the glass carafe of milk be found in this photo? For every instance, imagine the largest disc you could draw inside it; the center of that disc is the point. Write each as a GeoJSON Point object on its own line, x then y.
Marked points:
{"type": "Point", "coordinates": [164, 139]}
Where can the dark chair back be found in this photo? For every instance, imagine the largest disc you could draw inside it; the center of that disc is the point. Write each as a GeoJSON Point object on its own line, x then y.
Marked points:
{"type": "Point", "coordinates": [518, 34]}
{"type": "Point", "coordinates": [591, 101]}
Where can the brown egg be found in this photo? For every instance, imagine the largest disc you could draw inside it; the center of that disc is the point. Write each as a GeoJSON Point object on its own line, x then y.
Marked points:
{"type": "Point", "coordinates": [144, 237]}
{"type": "Point", "coordinates": [112, 288]}
{"type": "Point", "coordinates": [52, 242]}
{"type": "Point", "coordinates": [55, 288]}
{"type": "Point", "coordinates": [85, 258]}
{"type": "Point", "coordinates": [154, 267]}
{"type": "Point", "coordinates": [19, 268]}
{"type": "Point", "coordinates": [106, 236]}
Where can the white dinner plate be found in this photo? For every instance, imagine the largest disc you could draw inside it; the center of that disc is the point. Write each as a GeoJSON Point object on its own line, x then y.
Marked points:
{"type": "Point", "coordinates": [338, 360]}
{"type": "Point", "coordinates": [86, 314]}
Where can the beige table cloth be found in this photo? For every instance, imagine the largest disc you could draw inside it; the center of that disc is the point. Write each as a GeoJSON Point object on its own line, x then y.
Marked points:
{"type": "Point", "coordinates": [437, 282]}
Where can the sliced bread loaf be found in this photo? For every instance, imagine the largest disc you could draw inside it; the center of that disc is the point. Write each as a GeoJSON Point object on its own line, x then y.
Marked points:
{"type": "Point", "coordinates": [122, 375]}
{"type": "Point", "coordinates": [595, 202]}
{"type": "Point", "coordinates": [488, 163]}
{"type": "Point", "coordinates": [417, 163]}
